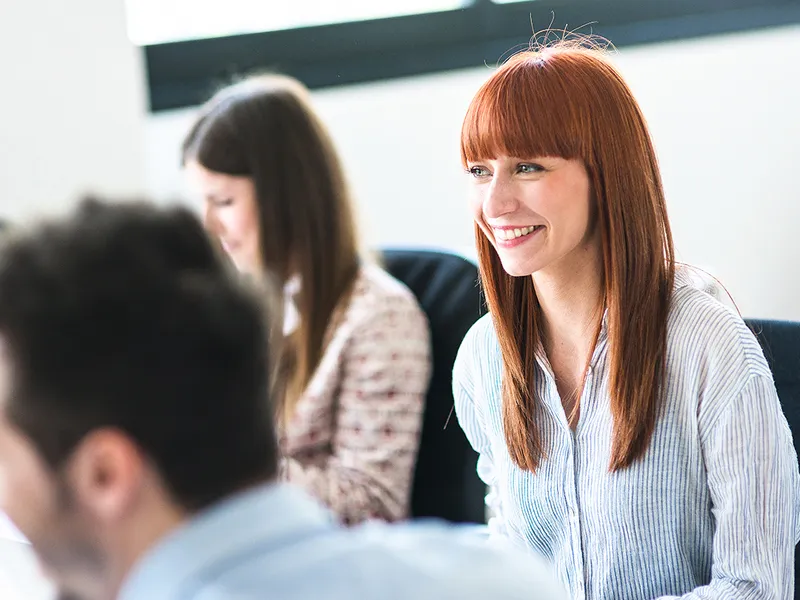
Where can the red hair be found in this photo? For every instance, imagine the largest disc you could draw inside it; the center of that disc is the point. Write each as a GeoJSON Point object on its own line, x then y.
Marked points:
{"type": "Point", "coordinates": [568, 101]}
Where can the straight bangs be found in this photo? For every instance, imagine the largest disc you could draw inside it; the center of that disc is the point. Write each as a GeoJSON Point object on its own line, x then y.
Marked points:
{"type": "Point", "coordinates": [525, 111]}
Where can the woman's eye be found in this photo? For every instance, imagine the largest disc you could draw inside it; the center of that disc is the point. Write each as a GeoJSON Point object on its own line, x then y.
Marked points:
{"type": "Point", "coordinates": [479, 171]}
{"type": "Point", "coordinates": [222, 202]}
{"type": "Point", "coordinates": [530, 168]}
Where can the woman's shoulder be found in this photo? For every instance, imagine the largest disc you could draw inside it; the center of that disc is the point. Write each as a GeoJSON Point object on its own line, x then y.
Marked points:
{"type": "Point", "coordinates": [479, 355]}
{"type": "Point", "coordinates": [374, 284]}
{"type": "Point", "coordinates": [702, 328]}
{"type": "Point", "coordinates": [481, 338]}
{"type": "Point", "coordinates": [378, 298]}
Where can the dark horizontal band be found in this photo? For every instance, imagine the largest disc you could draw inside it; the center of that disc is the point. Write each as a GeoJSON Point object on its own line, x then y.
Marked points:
{"type": "Point", "coordinates": [185, 73]}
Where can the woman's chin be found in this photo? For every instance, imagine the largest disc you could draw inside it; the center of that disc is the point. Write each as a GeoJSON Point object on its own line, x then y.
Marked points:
{"type": "Point", "coordinates": [516, 268]}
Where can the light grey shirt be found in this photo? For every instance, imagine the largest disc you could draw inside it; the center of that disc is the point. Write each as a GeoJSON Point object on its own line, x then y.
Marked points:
{"type": "Point", "coordinates": [710, 511]}
{"type": "Point", "coordinates": [274, 543]}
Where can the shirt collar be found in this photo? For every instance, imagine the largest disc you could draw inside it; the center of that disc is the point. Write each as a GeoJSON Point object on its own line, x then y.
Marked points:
{"type": "Point", "coordinates": [269, 513]}
{"type": "Point", "coordinates": [602, 340]}
{"type": "Point", "coordinates": [291, 316]}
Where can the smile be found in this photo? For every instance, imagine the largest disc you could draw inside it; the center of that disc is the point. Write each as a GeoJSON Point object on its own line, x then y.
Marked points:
{"type": "Point", "coordinates": [516, 233]}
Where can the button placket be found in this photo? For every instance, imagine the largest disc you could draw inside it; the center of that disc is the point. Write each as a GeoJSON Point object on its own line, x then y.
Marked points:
{"type": "Point", "coordinates": [574, 519]}
{"type": "Point", "coordinates": [575, 464]}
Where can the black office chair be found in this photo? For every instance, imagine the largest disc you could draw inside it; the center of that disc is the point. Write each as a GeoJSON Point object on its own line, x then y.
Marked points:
{"type": "Point", "coordinates": [781, 343]}
{"type": "Point", "coordinates": [446, 484]}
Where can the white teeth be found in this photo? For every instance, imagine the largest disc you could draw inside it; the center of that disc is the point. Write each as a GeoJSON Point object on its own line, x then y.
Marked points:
{"type": "Point", "coordinates": [510, 234]}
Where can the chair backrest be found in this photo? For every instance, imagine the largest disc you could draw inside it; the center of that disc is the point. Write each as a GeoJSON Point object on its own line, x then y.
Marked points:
{"type": "Point", "coordinates": [446, 484]}
{"type": "Point", "coordinates": [781, 343]}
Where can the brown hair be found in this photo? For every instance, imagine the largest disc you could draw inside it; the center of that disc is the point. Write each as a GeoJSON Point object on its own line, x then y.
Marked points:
{"type": "Point", "coordinates": [193, 342]}
{"type": "Point", "coordinates": [265, 128]}
{"type": "Point", "coordinates": [567, 100]}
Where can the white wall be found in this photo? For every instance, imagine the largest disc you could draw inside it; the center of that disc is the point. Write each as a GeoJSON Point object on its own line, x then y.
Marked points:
{"type": "Point", "coordinates": [724, 112]}
{"type": "Point", "coordinates": [72, 104]}
{"type": "Point", "coordinates": [724, 115]}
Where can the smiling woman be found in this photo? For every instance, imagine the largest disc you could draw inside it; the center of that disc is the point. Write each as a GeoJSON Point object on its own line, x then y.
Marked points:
{"type": "Point", "coordinates": [622, 415]}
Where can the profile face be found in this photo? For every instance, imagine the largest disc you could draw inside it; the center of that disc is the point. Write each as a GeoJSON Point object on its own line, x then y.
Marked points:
{"type": "Point", "coordinates": [230, 214]}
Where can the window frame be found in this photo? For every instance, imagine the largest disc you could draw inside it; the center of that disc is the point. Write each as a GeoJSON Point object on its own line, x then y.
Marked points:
{"type": "Point", "coordinates": [184, 73]}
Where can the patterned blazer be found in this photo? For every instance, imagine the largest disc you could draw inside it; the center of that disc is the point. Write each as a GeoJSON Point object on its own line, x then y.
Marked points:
{"type": "Point", "coordinates": [352, 441]}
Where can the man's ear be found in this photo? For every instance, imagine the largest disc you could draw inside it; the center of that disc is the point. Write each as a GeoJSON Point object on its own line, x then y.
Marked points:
{"type": "Point", "coordinates": [106, 473]}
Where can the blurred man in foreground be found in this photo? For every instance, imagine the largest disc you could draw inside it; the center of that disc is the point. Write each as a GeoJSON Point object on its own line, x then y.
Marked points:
{"type": "Point", "coordinates": [137, 449]}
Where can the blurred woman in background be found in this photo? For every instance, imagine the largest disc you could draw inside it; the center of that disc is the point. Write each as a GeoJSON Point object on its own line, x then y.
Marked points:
{"type": "Point", "coordinates": [357, 356]}
{"type": "Point", "coordinates": [627, 422]}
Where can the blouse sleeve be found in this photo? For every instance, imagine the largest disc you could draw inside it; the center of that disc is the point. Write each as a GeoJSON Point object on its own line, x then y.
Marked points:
{"type": "Point", "coordinates": [470, 419]}
{"type": "Point", "coordinates": [755, 490]}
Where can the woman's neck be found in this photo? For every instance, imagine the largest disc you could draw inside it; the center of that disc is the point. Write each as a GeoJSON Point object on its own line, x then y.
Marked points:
{"type": "Point", "coordinates": [571, 300]}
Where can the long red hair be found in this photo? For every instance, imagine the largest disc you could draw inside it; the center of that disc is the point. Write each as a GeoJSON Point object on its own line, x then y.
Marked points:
{"type": "Point", "coordinates": [568, 101]}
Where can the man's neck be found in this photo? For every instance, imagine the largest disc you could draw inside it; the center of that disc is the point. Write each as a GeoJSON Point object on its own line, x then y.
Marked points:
{"type": "Point", "coordinates": [141, 534]}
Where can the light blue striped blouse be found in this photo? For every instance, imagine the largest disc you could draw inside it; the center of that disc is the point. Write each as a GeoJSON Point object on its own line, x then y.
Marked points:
{"type": "Point", "coordinates": [711, 511]}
